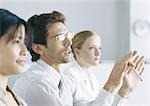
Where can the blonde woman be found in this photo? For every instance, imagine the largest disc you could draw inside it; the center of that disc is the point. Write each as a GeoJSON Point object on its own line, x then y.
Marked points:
{"type": "Point", "coordinates": [86, 46]}
{"type": "Point", "coordinates": [12, 55]}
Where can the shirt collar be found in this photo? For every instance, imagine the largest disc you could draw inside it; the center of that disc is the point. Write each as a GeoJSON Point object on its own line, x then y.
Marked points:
{"type": "Point", "coordinates": [53, 75]}
{"type": "Point", "coordinates": [82, 72]}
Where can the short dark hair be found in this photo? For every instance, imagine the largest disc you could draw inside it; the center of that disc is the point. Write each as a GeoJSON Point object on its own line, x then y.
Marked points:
{"type": "Point", "coordinates": [37, 29]}
{"type": "Point", "coordinates": [9, 22]}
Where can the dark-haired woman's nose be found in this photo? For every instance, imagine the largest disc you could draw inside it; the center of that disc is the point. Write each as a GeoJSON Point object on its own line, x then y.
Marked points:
{"type": "Point", "coordinates": [23, 51]}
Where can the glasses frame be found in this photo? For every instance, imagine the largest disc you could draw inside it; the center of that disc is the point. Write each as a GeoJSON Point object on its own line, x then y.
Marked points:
{"type": "Point", "coordinates": [63, 36]}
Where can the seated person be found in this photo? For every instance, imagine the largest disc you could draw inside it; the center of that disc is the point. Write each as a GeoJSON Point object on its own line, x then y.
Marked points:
{"type": "Point", "coordinates": [86, 46]}
{"type": "Point", "coordinates": [12, 55]}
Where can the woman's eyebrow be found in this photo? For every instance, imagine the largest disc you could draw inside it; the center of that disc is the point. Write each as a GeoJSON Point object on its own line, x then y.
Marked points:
{"type": "Point", "coordinates": [19, 37]}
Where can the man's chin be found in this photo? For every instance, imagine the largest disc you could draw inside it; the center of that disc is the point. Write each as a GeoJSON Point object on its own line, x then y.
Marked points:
{"type": "Point", "coordinates": [67, 60]}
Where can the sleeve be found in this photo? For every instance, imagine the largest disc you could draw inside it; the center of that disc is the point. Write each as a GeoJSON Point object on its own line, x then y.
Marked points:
{"type": "Point", "coordinates": [40, 95]}
{"type": "Point", "coordinates": [104, 98]}
{"type": "Point", "coordinates": [119, 101]}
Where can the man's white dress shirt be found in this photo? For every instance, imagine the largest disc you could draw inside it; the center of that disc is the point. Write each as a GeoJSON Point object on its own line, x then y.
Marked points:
{"type": "Point", "coordinates": [38, 86]}
{"type": "Point", "coordinates": [87, 91]}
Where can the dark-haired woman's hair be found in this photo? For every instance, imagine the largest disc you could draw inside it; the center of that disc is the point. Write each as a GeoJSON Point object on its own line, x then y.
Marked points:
{"type": "Point", "coordinates": [37, 29]}
{"type": "Point", "coordinates": [9, 23]}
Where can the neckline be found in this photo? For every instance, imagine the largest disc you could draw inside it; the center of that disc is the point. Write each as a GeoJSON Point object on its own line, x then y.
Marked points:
{"type": "Point", "coordinates": [14, 96]}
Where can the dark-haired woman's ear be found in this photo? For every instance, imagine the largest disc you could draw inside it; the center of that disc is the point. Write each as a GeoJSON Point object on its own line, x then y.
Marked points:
{"type": "Point", "coordinates": [37, 48]}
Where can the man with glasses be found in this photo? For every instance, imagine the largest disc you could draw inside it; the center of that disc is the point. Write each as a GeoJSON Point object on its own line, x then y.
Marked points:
{"type": "Point", "coordinates": [49, 43]}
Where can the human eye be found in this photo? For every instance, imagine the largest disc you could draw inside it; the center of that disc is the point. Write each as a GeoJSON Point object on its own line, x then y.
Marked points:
{"type": "Point", "coordinates": [19, 39]}
{"type": "Point", "coordinates": [60, 37]}
{"type": "Point", "coordinates": [100, 48]}
{"type": "Point", "coordinates": [91, 47]}
{"type": "Point", "coordinates": [16, 41]}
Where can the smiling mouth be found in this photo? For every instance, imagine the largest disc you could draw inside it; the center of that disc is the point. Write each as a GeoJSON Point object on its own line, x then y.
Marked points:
{"type": "Point", "coordinates": [21, 62]}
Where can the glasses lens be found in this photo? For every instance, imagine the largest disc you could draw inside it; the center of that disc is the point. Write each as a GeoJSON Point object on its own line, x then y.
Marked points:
{"type": "Point", "coordinates": [60, 37]}
{"type": "Point", "coordinates": [70, 35]}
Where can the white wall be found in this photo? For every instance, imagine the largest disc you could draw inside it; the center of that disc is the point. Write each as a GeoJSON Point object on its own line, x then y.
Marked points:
{"type": "Point", "coordinates": [109, 18]}
{"type": "Point", "coordinates": [140, 10]}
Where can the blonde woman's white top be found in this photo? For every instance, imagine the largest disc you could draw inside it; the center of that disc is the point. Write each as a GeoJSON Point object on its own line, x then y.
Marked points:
{"type": "Point", "coordinates": [87, 91]}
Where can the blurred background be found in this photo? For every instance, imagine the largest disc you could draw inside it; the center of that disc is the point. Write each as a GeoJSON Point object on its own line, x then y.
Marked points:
{"type": "Point", "coordinates": [123, 25]}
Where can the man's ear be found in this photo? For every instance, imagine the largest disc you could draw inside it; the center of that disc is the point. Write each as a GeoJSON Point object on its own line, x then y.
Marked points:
{"type": "Point", "coordinates": [37, 48]}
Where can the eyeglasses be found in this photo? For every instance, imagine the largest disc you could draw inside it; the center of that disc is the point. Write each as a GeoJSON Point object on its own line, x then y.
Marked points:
{"type": "Point", "coordinates": [61, 37]}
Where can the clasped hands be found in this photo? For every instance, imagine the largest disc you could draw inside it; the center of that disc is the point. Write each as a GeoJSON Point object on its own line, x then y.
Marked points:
{"type": "Point", "coordinates": [126, 74]}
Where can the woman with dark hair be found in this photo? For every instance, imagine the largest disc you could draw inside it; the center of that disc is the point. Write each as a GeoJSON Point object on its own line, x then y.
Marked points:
{"type": "Point", "coordinates": [12, 54]}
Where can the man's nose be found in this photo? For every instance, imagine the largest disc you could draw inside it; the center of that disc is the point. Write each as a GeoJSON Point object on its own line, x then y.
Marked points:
{"type": "Point", "coordinates": [67, 42]}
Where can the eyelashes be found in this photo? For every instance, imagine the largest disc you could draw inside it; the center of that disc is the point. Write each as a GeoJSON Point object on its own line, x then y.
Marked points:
{"type": "Point", "coordinates": [16, 42]}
